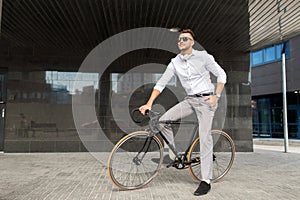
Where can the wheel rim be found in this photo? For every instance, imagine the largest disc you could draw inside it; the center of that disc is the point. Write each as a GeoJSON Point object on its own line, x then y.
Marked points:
{"type": "Point", "coordinates": [130, 170]}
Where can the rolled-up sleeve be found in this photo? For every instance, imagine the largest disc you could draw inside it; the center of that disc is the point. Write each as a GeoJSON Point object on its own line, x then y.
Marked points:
{"type": "Point", "coordinates": [216, 69]}
{"type": "Point", "coordinates": [165, 78]}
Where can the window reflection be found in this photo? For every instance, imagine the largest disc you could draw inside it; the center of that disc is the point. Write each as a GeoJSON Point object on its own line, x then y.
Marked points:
{"type": "Point", "coordinates": [125, 83]}
{"type": "Point", "coordinates": [48, 87]}
{"type": "Point", "coordinates": [39, 104]}
{"type": "Point", "coordinates": [65, 80]}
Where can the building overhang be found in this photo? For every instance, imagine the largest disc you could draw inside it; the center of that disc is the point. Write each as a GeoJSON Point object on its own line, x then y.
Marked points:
{"type": "Point", "coordinates": [56, 30]}
{"type": "Point", "coordinates": [272, 22]}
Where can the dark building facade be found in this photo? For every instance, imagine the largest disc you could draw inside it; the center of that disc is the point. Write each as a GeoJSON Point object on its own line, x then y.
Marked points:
{"type": "Point", "coordinates": [44, 43]}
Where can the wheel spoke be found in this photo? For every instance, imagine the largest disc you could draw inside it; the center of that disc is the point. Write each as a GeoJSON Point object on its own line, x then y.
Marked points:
{"type": "Point", "coordinates": [130, 167]}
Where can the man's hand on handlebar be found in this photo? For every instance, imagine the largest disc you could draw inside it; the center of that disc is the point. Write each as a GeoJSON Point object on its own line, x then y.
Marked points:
{"type": "Point", "coordinates": [144, 108]}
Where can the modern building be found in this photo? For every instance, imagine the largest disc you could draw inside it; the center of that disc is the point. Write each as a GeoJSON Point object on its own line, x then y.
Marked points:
{"type": "Point", "coordinates": [45, 44]}
{"type": "Point", "coordinates": [267, 97]}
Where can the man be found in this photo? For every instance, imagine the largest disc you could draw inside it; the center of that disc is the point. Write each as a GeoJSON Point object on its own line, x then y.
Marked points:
{"type": "Point", "coordinates": [193, 69]}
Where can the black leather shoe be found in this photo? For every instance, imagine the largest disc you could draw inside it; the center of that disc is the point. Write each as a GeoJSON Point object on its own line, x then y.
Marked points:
{"type": "Point", "coordinates": [167, 160]}
{"type": "Point", "coordinates": [203, 189]}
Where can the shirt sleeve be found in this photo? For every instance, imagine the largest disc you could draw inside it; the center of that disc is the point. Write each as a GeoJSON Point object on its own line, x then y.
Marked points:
{"type": "Point", "coordinates": [165, 78]}
{"type": "Point", "coordinates": [215, 69]}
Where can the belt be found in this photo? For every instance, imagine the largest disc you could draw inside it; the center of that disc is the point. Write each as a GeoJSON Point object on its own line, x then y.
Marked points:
{"type": "Point", "coordinates": [201, 94]}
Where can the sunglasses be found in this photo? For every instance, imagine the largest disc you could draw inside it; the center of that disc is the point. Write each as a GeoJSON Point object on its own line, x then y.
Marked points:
{"type": "Point", "coordinates": [184, 39]}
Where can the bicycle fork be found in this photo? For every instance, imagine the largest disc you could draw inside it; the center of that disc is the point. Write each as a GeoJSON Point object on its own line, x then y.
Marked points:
{"type": "Point", "coordinates": [145, 146]}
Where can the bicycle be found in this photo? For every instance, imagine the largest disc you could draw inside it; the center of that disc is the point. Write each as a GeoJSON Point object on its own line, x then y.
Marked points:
{"type": "Point", "coordinates": [130, 164]}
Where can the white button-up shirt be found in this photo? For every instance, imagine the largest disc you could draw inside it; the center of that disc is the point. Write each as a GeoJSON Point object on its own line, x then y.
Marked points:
{"type": "Point", "coordinates": [193, 71]}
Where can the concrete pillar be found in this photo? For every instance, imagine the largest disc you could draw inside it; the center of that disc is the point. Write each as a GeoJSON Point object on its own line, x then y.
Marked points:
{"type": "Point", "coordinates": [239, 114]}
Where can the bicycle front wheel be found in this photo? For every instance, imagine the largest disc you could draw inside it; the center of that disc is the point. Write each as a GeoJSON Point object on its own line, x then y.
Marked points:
{"type": "Point", "coordinates": [130, 164]}
{"type": "Point", "coordinates": [223, 156]}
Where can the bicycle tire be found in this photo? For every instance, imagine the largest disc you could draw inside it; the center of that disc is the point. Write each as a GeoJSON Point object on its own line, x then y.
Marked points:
{"type": "Point", "coordinates": [223, 156]}
{"type": "Point", "coordinates": [130, 164]}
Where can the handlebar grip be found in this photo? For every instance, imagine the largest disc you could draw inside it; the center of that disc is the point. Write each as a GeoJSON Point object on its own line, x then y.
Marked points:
{"type": "Point", "coordinates": [137, 116]}
{"type": "Point", "coordinates": [147, 112]}
{"type": "Point", "coordinates": [137, 109]}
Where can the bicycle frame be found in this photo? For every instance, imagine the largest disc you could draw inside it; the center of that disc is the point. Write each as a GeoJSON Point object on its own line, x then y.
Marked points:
{"type": "Point", "coordinates": [155, 119]}
{"type": "Point", "coordinates": [193, 137]}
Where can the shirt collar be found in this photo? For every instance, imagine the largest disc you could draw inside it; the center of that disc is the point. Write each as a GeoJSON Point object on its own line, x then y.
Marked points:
{"type": "Point", "coordinates": [186, 57]}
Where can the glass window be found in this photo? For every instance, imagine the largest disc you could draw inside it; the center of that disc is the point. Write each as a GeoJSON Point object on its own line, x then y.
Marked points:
{"type": "Point", "coordinates": [270, 54]}
{"type": "Point", "coordinates": [292, 116]}
{"type": "Point", "coordinates": [66, 81]}
{"type": "Point", "coordinates": [261, 117]}
{"type": "Point", "coordinates": [278, 51]}
{"type": "Point", "coordinates": [257, 57]}
{"type": "Point", "coordinates": [40, 105]}
{"type": "Point", "coordinates": [24, 95]}
{"type": "Point", "coordinates": [38, 95]}
{"type": "Point", "coordinates": [31, 95]}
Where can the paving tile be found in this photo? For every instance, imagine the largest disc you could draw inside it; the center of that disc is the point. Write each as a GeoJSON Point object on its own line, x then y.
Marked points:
{"type": "Point", "coordinates": [267, 173]}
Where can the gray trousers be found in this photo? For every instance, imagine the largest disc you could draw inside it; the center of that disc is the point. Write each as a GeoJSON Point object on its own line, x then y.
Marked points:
{"type": "Point", "coordinates": [205, 114]}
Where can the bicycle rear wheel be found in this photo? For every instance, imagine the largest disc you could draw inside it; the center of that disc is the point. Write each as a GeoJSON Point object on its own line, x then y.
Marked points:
{"type": "Point", "coordinates": [223, 156]}
{"type": "Point", "coordinates": [130, 165]}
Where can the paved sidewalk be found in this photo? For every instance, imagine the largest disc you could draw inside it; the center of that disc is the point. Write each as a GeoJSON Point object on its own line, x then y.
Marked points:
{"type": "Point", "coordinates": [266, 173]}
